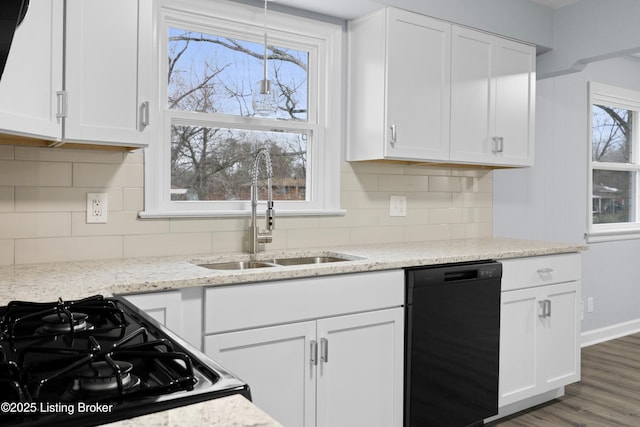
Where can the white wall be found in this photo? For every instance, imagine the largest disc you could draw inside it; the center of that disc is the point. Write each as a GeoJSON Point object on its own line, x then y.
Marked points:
{"type": "Point", "coordinates": [589, 31]}
{"type": "Point", "coordinates": [549, 200]}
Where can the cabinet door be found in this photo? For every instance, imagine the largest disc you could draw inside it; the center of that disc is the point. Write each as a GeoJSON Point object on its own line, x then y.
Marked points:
{"type": "Point", "coordinates": [558, 345]}
{"type": "Point", "coordinates": [514, 77]}
{"type": "Point", "coordinates": [165, 307]}
{"type": "Point", "coordinates": [492, 99]}
{"type": "Point", "coordinates": [107, 71]}
{"type": "Point", "coordinates": [471, 88]}
{"type": "Point", "coordinates": [418, 86]}
{"type": "Point", "coordinates": [33, 74]}
{"type": "Point", "coordinates": [360, 370]}
{"type": "Point", "coordinates": [518, 345]}
{"type": "Point", "coordinates": [276, 363]}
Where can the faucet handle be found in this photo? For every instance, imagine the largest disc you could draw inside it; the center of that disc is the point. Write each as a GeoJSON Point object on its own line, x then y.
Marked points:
{"type": "Point", "coordinates": [270, 216]}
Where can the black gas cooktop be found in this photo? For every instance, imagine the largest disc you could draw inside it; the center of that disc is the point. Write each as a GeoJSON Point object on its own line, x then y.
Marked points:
{"type": "Point", "coordinates": [97, 360]}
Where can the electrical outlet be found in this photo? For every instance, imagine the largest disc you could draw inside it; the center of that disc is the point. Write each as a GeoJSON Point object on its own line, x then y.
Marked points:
{"type": "Point", "coordinates": [590, 305]}
{"type": "Point", "coordinates": [97, 208]}
{"type": "Point", "coordinates": [397, 205]}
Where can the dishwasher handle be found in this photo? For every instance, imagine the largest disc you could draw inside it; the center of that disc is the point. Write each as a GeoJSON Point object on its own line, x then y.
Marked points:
{"type": "Point", "coordinates": [417, 277]}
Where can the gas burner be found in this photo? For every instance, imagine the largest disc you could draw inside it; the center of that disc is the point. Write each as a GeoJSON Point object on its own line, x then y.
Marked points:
{"type": "Point", "coordinates": [103, 376]}
{"type": "Point", "coordinates": [58, 323]}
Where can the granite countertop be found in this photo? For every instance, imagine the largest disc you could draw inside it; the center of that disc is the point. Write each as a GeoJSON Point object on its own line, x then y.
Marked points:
{"type": "Point", "coordinates": [75, 280]}
{"type": "Point", "coordinates": [230, 411]}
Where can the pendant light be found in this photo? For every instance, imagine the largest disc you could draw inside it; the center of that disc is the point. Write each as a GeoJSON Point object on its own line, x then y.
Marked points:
{"type": "Point", "coordinates": [265, 97]}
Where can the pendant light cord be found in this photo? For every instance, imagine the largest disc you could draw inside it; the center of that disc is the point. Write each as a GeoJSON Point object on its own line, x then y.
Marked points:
{"type": "Point", "coordinates": [265, 42]}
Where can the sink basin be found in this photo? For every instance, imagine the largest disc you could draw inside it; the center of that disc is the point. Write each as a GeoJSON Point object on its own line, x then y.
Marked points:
{"type": "Point", "coordinates": [308, 260]}
{"type": "Point", "coordinates": [277, 262]}
{"type": "Point", "coordinates": [238, 265]}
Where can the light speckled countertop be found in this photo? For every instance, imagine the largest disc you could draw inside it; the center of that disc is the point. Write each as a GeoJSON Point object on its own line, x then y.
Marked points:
{"type": "Point", "coordinates": [230, 411]}
{"type": "Point", "coordinates": [75, 280]}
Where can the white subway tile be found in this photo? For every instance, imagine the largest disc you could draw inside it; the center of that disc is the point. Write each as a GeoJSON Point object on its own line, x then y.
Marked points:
{"type": "Point", "coordinates": [35, 174]}
{"type": "Point", "coordinates": [6, 152]}
{"type": "Point", "coordinates": [29, 251]}
{"type": "Point", "coordinates": [31, 225]}
{"type": "Point", "coordinates": [6, 199]}
{"type": "Point", "coordinates": [67, 155]}
{"type": "Point", "coordinates": [445, 184]}
{"type": "Point", "coordinates": [6, 251]}
{"type": "Point", "coordinates": [404, 182]}
{"type": "Point", "coordinates": [108, 175]}
{"type": "Point", "coordinates": [167, 244]}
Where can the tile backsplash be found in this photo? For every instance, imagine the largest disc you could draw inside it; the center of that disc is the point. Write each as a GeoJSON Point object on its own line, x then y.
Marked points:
{"type": "Point", "coordinates": [43, 209]}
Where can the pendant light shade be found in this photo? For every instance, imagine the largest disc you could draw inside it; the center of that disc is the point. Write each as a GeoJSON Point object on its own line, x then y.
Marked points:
{"type": "Point", "coordinates": [264, 94]}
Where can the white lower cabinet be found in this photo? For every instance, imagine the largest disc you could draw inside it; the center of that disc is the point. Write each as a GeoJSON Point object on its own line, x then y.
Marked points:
{"type": "Point", "coordinates": [179, 310]}
{"type": "Point", "coordinates": [540, 326]}
{"type": "Point", "coordinates": [165, 307]}
{"type": "Point", "coordinates": [339, 370]}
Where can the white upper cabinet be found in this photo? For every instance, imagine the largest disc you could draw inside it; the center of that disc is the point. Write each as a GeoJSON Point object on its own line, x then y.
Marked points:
{"type": "Point", "coordinates": [398, 87]}
{"type": "Point", "coordinates": [95, 92]}
{"type": "Point", "coordinates": [33, 73]}
{"type": "Point", "coordinates": [425, 90]}
{"type": "Point", "coordinates": [492, 99]}
{"type": "Point", "coordinates": [108, 71]}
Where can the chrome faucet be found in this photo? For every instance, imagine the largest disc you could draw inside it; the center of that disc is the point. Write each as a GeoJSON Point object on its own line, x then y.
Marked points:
{"type": "Point", "coordinates": [255, 235]}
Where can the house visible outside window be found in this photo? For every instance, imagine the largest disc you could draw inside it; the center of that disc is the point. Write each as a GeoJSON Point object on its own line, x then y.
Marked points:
{"type": "Point", "coordinates": [210, 59]}
{"type": "Point", "coordinates": [614, 163]}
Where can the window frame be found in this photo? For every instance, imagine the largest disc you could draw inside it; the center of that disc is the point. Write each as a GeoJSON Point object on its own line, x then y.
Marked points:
{"type": "Point", "coordinates": [602, 94]}
{"type": "Point", "coordinates": [324, 116]}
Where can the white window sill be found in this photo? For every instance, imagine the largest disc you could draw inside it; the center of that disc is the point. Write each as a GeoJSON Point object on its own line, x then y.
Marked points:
{"type": "Point", "coordinates": [230, 214]}
{"type": "Point", "coordinates": [611, 235]}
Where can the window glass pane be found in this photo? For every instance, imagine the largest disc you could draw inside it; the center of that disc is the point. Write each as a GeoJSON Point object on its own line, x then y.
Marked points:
{"type": "Point", "coordinates": [611, 133]}
{"type": "Point", "coordinates": [213, 74]}
{"type": "Point", "coordinates": [613, 200]}
{"type": "Point", "coordinates": [215, 163]}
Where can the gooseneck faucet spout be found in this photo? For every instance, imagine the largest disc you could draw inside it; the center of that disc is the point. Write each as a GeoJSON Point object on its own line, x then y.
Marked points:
{"type": "Point", "coordinates": [255, 235]}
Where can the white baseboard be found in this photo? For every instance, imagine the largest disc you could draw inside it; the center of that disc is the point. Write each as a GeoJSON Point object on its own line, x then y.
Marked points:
{"type": "Point", "coordinates": [512, 408]}
{"type": "Point", "coordinates": [610, 332]}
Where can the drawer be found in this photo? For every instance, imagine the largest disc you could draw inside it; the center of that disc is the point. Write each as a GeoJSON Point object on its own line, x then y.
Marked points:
{"type": "Point", "coordinates": [236, 307]}
{"type": "Point", "coordinates": [529, 272]}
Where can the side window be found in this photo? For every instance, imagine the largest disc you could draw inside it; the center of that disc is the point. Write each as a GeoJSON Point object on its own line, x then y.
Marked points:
{"type": "Point", "coordinates": [211, 61]}
{"type": "Point", "coordinates": [614, 161]}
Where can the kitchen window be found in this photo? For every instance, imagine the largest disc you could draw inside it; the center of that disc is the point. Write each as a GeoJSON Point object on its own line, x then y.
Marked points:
{"type": "Point", "coordinates": [614, 163]}
{"type": "Point", "coordinates": [210, 57]}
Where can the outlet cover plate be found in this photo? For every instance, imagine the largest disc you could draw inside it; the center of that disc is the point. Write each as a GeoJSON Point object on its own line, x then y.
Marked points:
{"type": "Point", "coordinates": [97, 208]}
{"type": "Point", "coordinates": [397, 205]}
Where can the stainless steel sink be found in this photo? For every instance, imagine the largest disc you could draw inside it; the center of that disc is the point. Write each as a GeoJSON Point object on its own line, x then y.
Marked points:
{"type": "Point", "coordinates": [308, 260]}
{"type": "Point", "coordinates": [276, 262]}
{"type": "Point", "coordinates": [238, 265]}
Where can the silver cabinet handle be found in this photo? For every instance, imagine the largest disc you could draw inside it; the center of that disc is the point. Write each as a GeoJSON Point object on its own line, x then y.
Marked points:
{"type": "Point", "coordinates": [393, 136]}
{"type": "Point", "coordinates": [545, 273]}
{"type": "Point", "coordinates": [498, 144]}
{"type": "Point", "coordinates": [324, 350]}
{"type": "Point", "coordinates": [144, 114]}
{"type": "Point", "coordinates": [61, 96]}
{"type": "Point", "coordinates": [314, 352]}
{"type": "Point", "coordinates": [545, 306]}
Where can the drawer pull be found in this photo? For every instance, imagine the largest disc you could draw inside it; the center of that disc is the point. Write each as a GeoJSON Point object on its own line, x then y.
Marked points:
{"type": "Point", "coordinates": [545, 272]}
{"type": "Point", "coordinates": [314, 352]}
{"type": "Point", "coordinates": [324, 350]}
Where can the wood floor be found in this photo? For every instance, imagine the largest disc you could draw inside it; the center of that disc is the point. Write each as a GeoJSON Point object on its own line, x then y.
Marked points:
{"type": "Point", "coordinates": [607, 396]}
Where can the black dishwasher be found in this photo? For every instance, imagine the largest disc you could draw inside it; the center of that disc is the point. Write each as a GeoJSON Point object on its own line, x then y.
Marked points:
{"type": "Point", "coordinates": [452, 340]}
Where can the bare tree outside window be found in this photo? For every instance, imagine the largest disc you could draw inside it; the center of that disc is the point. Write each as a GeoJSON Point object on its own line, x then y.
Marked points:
{"type": "Point", "coordinates": [612, 142]}
{"type": "Point", "coordinates": [214, 75]}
